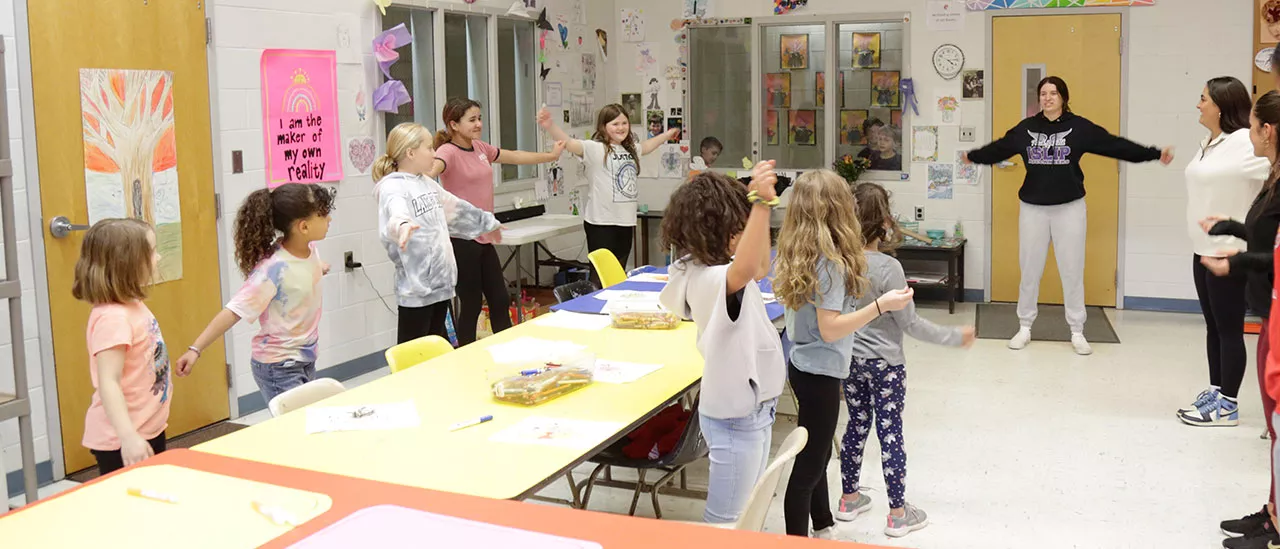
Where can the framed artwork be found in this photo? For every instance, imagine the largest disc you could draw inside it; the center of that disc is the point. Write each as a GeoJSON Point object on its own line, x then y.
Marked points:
{"type": "Point", "coordinates": [802, 127]}
{"type": "Point", "coordinates": [795, 51]}
{"type": "Point", "coordinates": [972, 87]}
{"type": "Point", "coordinates": [675, 123]}
{"type": "Point", "coordinates": [820, 89]}
{"type": "Point", "coordinates": [770, 127]}
{"type": "Point", "coordinates": [653, 121]}
{"type": "Point", "coordinates": [631, 102]}
{"type": "Point", "coordinates": [884, 89]}
{"type": "Point", "coordinates": [851, 127]}
{"type": "Point", "coordinates": [895, 119]}
{"type": "Point", "coordinates": [777, 87]}
{"type": "Point", "coordinates": [866, 50]}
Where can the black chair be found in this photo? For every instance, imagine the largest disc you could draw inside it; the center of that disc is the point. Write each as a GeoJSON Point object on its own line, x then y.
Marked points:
{"type": "Point", "coordinates": [690, 448]}
{"type": "Point", "coordinates": [574, 290]}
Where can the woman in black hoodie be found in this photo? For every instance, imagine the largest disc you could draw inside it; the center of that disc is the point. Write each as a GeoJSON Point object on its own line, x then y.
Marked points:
{"type": "Point", "coordinates": [1053, 209]}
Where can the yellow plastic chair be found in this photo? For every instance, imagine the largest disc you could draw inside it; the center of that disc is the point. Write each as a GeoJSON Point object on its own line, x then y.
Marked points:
{"type": "Point", "coordinates": [411, 353]}
{"type": "Point", "coordinates": [607, 267]}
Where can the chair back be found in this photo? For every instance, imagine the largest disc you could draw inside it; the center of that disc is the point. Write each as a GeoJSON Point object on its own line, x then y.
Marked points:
{"type": "Point", "coordinates": [304, 395]}
{"type": "Point", "coordinates": [412, 353]}
{"type": "Point", "coordinates": [753, 515]}
{"type": "Point", "coordinates": [573, 290]}
{"type": "Point", "coordinates": [607, 267]}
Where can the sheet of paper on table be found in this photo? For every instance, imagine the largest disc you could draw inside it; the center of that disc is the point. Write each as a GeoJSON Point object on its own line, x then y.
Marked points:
{"type": "Point", "coordinates": [612, 371]}
{"type": "Point", "coordinates": [627, 295]}
{"type": "Point", "coordinates": [531, 349]}
{"type": "Point", "coordinates": [573, 321]}
{"type": "Point", "coordinates": [562, 432]}
{"type": "Point", "coordinates": [650, 277]}
{"type": "Point", "coordinates": [768, 297]}
{"type": "Point", "coordinates": [366, 417]}
{"type": "Point", "coordinates": [631, 306]}
{"type": "Point", "coordinates": [394, 526]}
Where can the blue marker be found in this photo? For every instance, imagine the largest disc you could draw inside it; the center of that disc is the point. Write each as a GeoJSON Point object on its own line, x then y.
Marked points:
{"type": "Point", "coordinates": [470, 422]}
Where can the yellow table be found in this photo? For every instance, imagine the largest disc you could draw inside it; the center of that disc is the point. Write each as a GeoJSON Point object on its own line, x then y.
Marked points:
{"type": "Point", "coordinates": [211, 510]}
{"type": "Point", "coordinates": [455, 388]}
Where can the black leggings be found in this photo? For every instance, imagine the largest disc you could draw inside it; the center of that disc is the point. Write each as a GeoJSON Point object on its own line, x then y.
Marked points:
{"type": "Point", "coordinates": [1222, 301]}
{"type": "Point", "coordinates": [818, 410]}
{"type": "Point", "coordinates": [112, 460]}
{"type": "Point", "coordinates": [479, 276]}
{"type": "Point", "coordinates": [416, 322]}
{"type": "Point", "coordinates": [615, 238]}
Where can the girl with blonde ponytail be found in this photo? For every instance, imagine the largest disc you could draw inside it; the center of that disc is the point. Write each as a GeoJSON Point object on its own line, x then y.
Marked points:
{"type": "Point", "coordinates": [416, 217]}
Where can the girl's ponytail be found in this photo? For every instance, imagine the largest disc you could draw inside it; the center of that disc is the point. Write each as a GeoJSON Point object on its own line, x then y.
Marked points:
{"type": "Point", "coordinates": [255, 230]}
{"type": "Point", "coordinates": [442, 137]}
{"type": "Point", "coordinates": [383, 166]}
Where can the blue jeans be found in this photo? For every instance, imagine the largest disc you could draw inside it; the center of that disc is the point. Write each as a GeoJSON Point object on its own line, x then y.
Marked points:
{"type": "Point", "coordinates": [739, 449]}
{"type": "Point", "coordinates": [278, 377]}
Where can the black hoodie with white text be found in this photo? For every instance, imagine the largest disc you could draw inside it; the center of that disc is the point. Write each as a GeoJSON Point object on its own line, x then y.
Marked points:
{"type": "Point", "coordinates": [1051, 150]}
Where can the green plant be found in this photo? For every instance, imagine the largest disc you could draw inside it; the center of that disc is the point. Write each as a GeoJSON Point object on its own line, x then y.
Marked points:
{"type": "Point", "coordinates": [850, 168]}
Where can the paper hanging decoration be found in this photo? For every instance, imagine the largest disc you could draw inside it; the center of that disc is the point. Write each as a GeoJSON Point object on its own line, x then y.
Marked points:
{"type": "Point", "coordinates": [603, 38]}
{"type": "Point", "coordinates": [391, 94]}
{"type": "Point", "coordinates": [543, 22]}
{"type": "Point", "coordinates": [781, 7]}
{"type": "Point", "coordinates": [382, 5]}
{"type": "Point", "coordinates": [360, 153]}
{"type": "Point", "coordinates": [908, 89]}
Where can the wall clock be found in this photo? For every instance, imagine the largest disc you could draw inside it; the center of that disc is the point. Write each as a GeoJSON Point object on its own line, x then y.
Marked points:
{"type": "Point", "coordinates": [948, 60]}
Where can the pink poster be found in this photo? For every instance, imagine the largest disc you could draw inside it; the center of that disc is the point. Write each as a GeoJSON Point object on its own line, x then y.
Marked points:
{"type": "Point", "coordinates": [300, 116]}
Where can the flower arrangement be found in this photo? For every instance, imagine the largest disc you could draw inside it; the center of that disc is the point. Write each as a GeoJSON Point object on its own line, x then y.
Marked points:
{"type": "Point", "coordinates": [948, 105]}
{"type": "Point", "coordinates": [850, 168]}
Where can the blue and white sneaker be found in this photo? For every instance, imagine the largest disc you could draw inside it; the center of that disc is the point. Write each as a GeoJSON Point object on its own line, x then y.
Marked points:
{"type": "Point", "coordinates": [1202, 399]}
{"type": "Point", "coordinates": [1218, 412]}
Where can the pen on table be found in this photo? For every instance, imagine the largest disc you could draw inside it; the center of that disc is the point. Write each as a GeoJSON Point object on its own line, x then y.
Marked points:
{"type": "Point", "coordinates": [152, 495]}
{"type": "Point", "coordinates": [470, 423]}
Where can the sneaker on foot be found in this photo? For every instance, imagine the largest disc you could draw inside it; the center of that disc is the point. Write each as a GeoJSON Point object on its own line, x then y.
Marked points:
{"type": "Point", "coordinates": [1266, 539]}
{"type": "Point", "coordinates": [849, 510]}
{"type": "Point", "coordinates": [1246, 526]}
{"type": "Point", "coordinates": [1204, 397]}
{"type": "Point", "coordinates": [1080, 344]}
{"type": "Point", "coordinates": [1021, 339]}
{"type": "Point", "coordinates": [913, 519]}
{"type": "Point", "coordinates": [826, 533]}
{"type": "Point", "coordinates": [1219, 412]}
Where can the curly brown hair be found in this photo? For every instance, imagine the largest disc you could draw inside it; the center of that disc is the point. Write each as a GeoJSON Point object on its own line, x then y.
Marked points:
{"type": "Point", "coordinates": [115, 262]}
{"type": "Point", "coordinates": [704, 215]}
{"type": "Point", "coordinates": [876, 217]}
{"type": "Point", "coordinates": [267, 214]}
{"type": "Point", "coordinates": [607, 114]}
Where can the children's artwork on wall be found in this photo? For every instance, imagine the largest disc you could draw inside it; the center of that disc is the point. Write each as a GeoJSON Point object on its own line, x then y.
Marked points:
{"type": "Point", "coordinates": [675, 123]}
{"type": "Point", "coordinates": [631, 24]}
{"type": "Point", "coordinates": [581, 107]}
{"type": "Point", "coordinates": [653, 123]}
{"type": "Point", "coordinates": [631, 102]}
{"type": "Point", "coordinates": [602, 38]}
{"type": "Point", "coordinates": [653, 88]}
{"type": "Point", "coordinates": [884, 89]}
{"type": "Point", "coordinates": [672, 165]}
{"type": "Point", "coordinates": [972, 84]}
{"type": "Point", "coordinates": [820, 89]}
{"type": "Point", "coordinates": [361, 152]}
{"type": "Point", "coordinates": [555, 175]}
{"type": "Point", "coordinates": [564, 35]}
{"type": "Point", "coordinates": [300, 116]}
{"type": "Point", "coordinates": [695, 9]}
{"type": "Point", "coordinates": [579, 12]}
{"type": "Point", "coordinates": [362, 108]}
{"type": "Point", "coordinates": [948, 107]}
{"type": "Point", "coordinates": [553, 95]}
{"type": "Point", "coordinates": [895, 119]}
{"type": "Point", "coordinates": [967, 173]}
{"type": "Point", "coordinates": [673, 74]}
{"type": "Point", "coordinates": [777, 86]}
{"type": "Point", "coordinates": [940, 181]}
{"type": "Point", "coordinates": [924, 144]}
{"type": "Point", "coordinates": [646, 63]}
{"type": "Point", "coordinates": [851, 127]}
{"type": "Point", "coordinates": [588, 71]}
{"type": "Point", "coordinates": [795, 51]}
{"type": "Point", "coordinates": [390, 94]}
{"type": "Point", "coordinates": [802, 127]}
{"type": "Point", "coordinates": [346, 29]}
{"type": "Point", "coordinates": [866, 50]}
{"type": "Point", "coordinates": [575, 195]}
{"type": "Point", "coordinates": [980, 5]}
{"type": "Point", "coordinates": [771, 127]}
{"type": "Point", "coordinates": [131, 155]}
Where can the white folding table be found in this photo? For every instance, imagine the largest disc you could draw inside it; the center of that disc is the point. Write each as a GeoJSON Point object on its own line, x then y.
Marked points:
{"type": "Point", "coordinates": [534, 230]}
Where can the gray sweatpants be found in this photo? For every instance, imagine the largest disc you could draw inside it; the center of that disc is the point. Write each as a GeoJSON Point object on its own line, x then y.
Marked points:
{"type": "Point", "coordinates": [1065, 226]}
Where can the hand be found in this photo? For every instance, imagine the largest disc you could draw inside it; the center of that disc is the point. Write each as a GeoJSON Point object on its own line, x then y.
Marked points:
{"type": "Point", "coordinates": [556, 149]}
{"type": "Point", "coordinates": [544, 118]}
{"type": "Point", "coordinates": [1216, 265]}
{"type": "Point", "coordinates": [672, 133]}
{"type": "Point", "coordinates": [1208, 222]}
{"type": "Point", "coordinates": [964, 157]}
{"type": "Point", "coordinates": [185, 363]}
{"type": "Point", "coordinates": [495, 237]}
{"type": "Point", "coordinates": [763, 180]}
{"type": "Point", "coordinates": [406, 229]}
{"type": "Point", "coordinates": [134, 449]}
{"type": "Point", "coordinates": [1166, 155]}
{"type": "Point", "coordinates": [895, 300]}
{"type": "Point", "coordinates": [968, 335]}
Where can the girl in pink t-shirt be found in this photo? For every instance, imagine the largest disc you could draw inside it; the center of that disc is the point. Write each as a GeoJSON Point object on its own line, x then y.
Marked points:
{"type": "Point", "coordinates": [464, 166]}
{"type": "Point", "coordinates": [128, 360]}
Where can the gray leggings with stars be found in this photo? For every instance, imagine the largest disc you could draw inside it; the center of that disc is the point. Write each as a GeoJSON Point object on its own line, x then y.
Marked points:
{"type": "Point", "coordinates": [875, 392]}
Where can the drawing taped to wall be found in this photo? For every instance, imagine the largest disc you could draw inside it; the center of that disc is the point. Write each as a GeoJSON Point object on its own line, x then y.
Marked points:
{"type": "Point", "coordinates": [653, 121]}
{"type": "Point", "coordinates": [802, 127]}
{"type": "Point", "coordinates": [884, 89]}
{"type": "Point", "coordinates": [794, 50]}
{"type": "Point", "coordinates": [777, 86]}
{"type": "Point", "coordinates": [631, 104]}
{"type": "Point", "coordinates": [820, 89]}
{"type": "Point", "coordinates": [866, 50]}
{"type": "Point", "coordinates": [771, 127]}
{"type": "Point", "coordinates": [851, 127]}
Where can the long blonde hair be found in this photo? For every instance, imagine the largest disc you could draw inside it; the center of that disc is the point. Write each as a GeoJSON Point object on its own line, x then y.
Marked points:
{"type": "Point", "coordinates": [404, 137]}
{"type": "Point", "coordinates": [821, 223]}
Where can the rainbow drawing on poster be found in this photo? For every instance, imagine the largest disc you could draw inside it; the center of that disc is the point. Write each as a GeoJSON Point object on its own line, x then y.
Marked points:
{"type": "Point", "coordinates": [300, 116]}
{"type": "Point", "coordinates": [981, 5]}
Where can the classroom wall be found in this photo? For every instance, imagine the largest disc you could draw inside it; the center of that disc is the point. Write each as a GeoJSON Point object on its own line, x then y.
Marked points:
{"type": "Point", "coordinates": [1174, 47]}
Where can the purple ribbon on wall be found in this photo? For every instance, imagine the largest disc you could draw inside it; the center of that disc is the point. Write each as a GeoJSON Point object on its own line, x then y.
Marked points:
{"type": "Point", "coordinates": [391, 94]}
{"type": "Point", "coordinates": [908, 89]}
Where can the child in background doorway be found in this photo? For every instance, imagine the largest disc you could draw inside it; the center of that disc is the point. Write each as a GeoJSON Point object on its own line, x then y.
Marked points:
{"type": "Point", "coordinates": [708, 151]}
{"type": "Point", "coordinates": [710, 218]}
{"type": "Point", "coordinates": [876, 386]}
{"type": "Point", "coordinates": [128, 360]}
{"type": "Point", "coordinates": [416, 218]}
{"type": "Point", "coordinates": [281, 288]}
{"type": "Point", "coordinates": [820, 278]}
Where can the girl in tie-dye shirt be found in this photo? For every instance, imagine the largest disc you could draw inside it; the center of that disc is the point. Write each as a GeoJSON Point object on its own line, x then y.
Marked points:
{"type": "Point", "coordinates": [282, 285]}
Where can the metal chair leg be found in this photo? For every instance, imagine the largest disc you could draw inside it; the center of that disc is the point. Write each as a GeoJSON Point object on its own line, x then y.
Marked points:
{"type": "Point", "coordinates": [635, 497]}
{"type": "Point", "coordinates": [573, 491]}
{"type": "Point", "coordinates": [684, 479]}
{"type": "Point", "coordinates": [591, 482]}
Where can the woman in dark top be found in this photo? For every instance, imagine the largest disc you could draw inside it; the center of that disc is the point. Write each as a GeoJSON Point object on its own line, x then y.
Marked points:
{"type": "Point", "coordinates": [1051, 144]}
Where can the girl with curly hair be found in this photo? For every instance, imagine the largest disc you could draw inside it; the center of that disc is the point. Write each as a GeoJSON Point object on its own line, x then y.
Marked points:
{"type": "Point", "coordinates": [820, 275]}
{"type": "Point", "coordinates": [276, 235]}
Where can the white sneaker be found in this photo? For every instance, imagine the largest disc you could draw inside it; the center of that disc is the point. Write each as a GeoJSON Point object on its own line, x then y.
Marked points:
{"type": "Point", "coordinates": [1081, 345]}
{"type": "Point", "coordinates": [1021, 339]}
{"type": "Point", "coordinates": [826, 533]}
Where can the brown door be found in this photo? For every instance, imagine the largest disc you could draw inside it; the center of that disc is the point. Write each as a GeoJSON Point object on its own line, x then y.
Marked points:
{"type": "Point", "coordinates": [140, 141]}
{"type": "Point", "coordinates": [1085, 52]}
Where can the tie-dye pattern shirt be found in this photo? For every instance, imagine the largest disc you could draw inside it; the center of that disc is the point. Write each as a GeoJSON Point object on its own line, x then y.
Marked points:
{"type": "Point", "coordinates": [283, 294]}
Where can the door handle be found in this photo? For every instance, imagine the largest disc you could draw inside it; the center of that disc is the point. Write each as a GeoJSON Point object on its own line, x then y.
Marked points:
{"type": "Point", "coordinates": [60, 227]}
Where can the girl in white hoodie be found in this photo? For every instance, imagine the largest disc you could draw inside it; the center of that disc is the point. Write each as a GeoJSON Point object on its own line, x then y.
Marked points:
{"type": "Point", "coordinates": [416, 217]}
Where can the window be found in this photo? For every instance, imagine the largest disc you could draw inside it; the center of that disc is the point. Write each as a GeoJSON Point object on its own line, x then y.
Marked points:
{"type": "Point", "coordinates": [517, 93]}
{"type": "Point", "coordinates": [870, 105]}
{"type": "Point", "coordinates": [466, 60]}
{"type": "Point", "coordinates": [416, 67]}
{"type": "Point", "coordinates": [720, 91]}
{"type": "Point", "coordinates": [793, 126]}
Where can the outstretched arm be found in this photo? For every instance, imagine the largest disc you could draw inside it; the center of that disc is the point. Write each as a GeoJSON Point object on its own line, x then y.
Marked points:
{"type": "Point", "coordinates": [651, 144]}
{"type": "Point", "coordinates": [996, 151]}
{"type": "Point", "coordinates": [544, 120]}
{"type": "Point", "coordinates": [1103, 143]}
{"type": "Point", "coordinates": [524, 157]}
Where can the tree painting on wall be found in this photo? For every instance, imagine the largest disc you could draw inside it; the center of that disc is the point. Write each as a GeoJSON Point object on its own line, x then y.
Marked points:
{"type": "Point", "coordinates": [131, 154]}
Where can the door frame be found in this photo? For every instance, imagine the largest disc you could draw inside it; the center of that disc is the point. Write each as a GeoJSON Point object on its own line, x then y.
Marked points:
{"type": "Point", "coordinates": [987, 76]}
{"type": "Point", "coordinates": [31, 171]}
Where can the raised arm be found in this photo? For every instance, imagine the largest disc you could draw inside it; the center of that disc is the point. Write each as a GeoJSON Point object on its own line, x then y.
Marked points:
{"type": "Point", "coordinates": [996, 151]}
{"type": "Point", "coordinates": [753, 248]}
{"type": "Point", "coordinates": [544, 120]}
{"type": "Point", "coordinates": [651, 144]}
{"type": "Point", "coordinates": [437, 168]}
{"type": "Point", "coordinates": [523, 157]}
{"type": "Point", "coordinates": [465, 220]}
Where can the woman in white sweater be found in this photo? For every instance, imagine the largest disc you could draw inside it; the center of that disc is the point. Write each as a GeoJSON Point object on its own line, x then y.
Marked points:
{"type": "Point", "coordinates": [1222, 180]}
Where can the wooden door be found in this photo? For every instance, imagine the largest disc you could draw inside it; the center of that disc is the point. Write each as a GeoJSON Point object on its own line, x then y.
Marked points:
{"type": "Point", "coordinates": [1085, 51]}
{"type": "Point", "coordinates": [159, 35]}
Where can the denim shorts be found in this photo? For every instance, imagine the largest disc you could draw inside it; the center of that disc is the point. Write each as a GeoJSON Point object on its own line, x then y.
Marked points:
{"type": "Point", "coordinates": [278, 377]}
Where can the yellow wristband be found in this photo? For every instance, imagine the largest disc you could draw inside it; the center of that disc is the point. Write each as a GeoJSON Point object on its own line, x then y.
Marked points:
{"type": "Point", "coordinates": [754, 198]}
